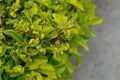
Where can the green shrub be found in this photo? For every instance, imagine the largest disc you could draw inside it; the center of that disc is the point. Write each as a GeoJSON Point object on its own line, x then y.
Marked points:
{"type": "Point", "coordinates": [37, 37]}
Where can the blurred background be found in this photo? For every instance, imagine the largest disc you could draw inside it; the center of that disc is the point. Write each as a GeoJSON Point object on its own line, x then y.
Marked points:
{"type": "Point", "coordinates": [103, 60]}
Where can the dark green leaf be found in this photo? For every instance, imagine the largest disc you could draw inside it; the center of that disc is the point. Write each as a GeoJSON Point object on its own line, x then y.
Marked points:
{"type": "Point", "coordinates": [1, 36]}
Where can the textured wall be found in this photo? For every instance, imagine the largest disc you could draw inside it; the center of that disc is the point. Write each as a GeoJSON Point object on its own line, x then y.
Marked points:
{"type": "Point", "coordinates": [103, 60]}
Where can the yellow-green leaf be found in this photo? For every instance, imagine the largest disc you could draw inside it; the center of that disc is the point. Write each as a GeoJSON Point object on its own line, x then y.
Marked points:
{"type": "Point", "coordinates": [74, 51]}
{"type": "Point", "coordinates": [68, 64]}
{"type": "Point", "coordinates": [1, 35]}
{"type": "Point", "coordinates": [15, 35]}
{"type": "Point", "coordinates": [36, 63]}
{"type": "Point", "coordinates": [36, 75]}
{"type": "Point", "coordinates": [59, 18]}
{"type": "Point", "coordinates": [34, 9]}
{"type": "Point", "coordinates": [2, 50]}
{"type": "Point", "coordinates": [84, 45]}
{"type": "Point", "coordinates": [64, 46]}
{"type": "Point", "coordinates": [77, 4]}
{"type": "Point", "coordinates": [95, 21]}
{"type": "Point", "coordinates": [46, 67]}
{"type": "Point", "coordinates": [91, 32]}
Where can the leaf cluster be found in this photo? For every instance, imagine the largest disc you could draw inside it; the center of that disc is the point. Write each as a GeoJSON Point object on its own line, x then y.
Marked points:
{"type": "Point", "coordinates": [38, 37]}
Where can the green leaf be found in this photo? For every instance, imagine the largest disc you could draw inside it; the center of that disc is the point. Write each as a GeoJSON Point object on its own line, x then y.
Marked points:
{"type": "Point", "coordinates": [13, 14]}
{"type": "Point", "coordinates": [57, 55]}
{"type": "Point", "coordinates": [34, 9]}
{"type": "Point", "coordinates": [15, 35]}
{"type": "Point", "coordinates": [18, 68]}
{"type": "Point", "coordinates": [53, 34]}
{"type": "Point", "coordinates": [1, 6]}
{"type": "Point", "coordinates": [16, 71]}
{"type": "Point", "coordinates": [28, 4]}
{"type": "Point", "coordinates": [64, 46]}
{"type": "Point", "coordinates": [74, 31]}
{"type": "Point", "coordinates": [5, 77]}
{"type": "Point", "coordinates": [23, 57]}
{"type": "Point", "coordinates": [78, 60]}
{"type": "Point", "coordinates": [51, 75]}
{"type": "Point", "coordinates": [74, 51]}
{"type": "Point", "coordinates": [91, 32]}
{"type": "Point", "coordinates": [41, 50]}
{"type": "Point", "coordinates": [68, 64]}
{"type": "Point", "coordinates": [2, 50]}
{"type": "Point", "coordinates": [61, 69]}
{"type": "Point", "coordinates": [95, 21]}
{"type": "Point", "coordinates": [12, 21]}
{"type": "Point", "coordinates": [60, 19]}
{"type": "Point", "coordinates": [76, 3]}
{"type": "Point", "coordinates": [36, 22]}
{"type": "Point", "coordinates": [34, 42]}
{"type": "Point", "coordinates": [15, 8]}
{"type": "Point", "coordinates": [32, 75]}
{"type": "Point", "coordinates": [35, 63]}
{"type": "Point", "coordinates": [25, 19]}
{"type": "Point", "coordinates": [1, 35]}
{"type": "Point", "coordinates": [1, 71]}
{"type": "Point", "coordinates": [47, 67]}
{"type": "Point", "coordinates": [47, 3]}
{"type": "Point", "coordinates": [36, 75]}
{"type": "Point", "coordinates": [84, 45]}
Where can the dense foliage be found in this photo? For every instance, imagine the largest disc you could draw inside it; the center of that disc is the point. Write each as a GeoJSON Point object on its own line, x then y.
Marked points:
{"type": "Point", "coordinates": [37, 37]}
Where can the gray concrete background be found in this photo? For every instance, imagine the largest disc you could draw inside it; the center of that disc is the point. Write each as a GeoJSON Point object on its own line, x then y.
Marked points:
{"type": "Point", "coordinates": [103, 60]}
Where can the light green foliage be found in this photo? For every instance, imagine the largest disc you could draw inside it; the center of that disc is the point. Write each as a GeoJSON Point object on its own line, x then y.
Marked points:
{"type": "Point", "coordinates": [38, 37]}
